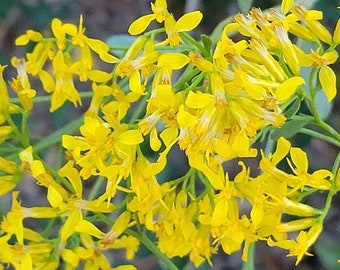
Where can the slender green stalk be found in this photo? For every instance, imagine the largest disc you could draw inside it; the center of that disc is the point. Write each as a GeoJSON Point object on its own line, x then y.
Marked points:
{"type": "Point", "coordinates": [153, 248]}
{"type": "Point", "coordinates": [41, 99]}
{"type": "Point", "coordinates": [333, 190]}
{"type": "Point", "coordinates": [194, 42]}
{"type": "Point", "coordinates": [250, 263]}
{"type": "Point", "coordinates": [22, 138]}
{"type": "Point", "coordinates": [56, 136]}
{"type": "Point", "coordinates": [145, 240]}
{"type": "Point", "coordinates": [320, 136]}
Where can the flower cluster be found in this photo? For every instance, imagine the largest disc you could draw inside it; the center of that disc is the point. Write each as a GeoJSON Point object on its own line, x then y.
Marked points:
{"type": "Point", "coordinates": [213, 101]}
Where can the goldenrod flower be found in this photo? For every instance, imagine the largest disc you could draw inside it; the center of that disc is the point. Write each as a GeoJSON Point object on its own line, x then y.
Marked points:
{"type": "Point", "coordinates": [30, 35]}
{"type": "Point", "coordinates": [187, 22]}
{"type": "Point", "coordinates": [311, 18]}
{"type": "Point", "coordinates": [4, 101]}
{"type": "Point", "coordinates": [287, 48]}
{"type": "Point", "coordinates": [22, 86]}
{"type": "Point", "coordinates": [326, 74]}
{"type": "Point", "coordinates": [159, 9]}
{"type": "Point", "coordinates": [140, 67]}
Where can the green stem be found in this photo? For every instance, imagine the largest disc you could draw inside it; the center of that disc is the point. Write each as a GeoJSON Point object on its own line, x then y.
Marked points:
{"type": "Point", "coordinates": [22, 138]}
{"type": "Point", "coordinates": [195, 82]}
{"type": "Point", "coordinates": [194, 42]}
{"type": "Point", "coordinates": [332, 191]}
{"type": "Point", "coordinates": [57, 135]}
{"type": "Point", "coordinates": [185, 77]}
{"type": "Point", "coordinates": [321, 136]}
{"type": "Point", "coordinates": [250, 263]}
{"type": "Point", "coordinates": [322, 124]}
{"type": "Point", "coordinates": [153, 248]}
{"type": "Point", "coordinates": [47, 98]}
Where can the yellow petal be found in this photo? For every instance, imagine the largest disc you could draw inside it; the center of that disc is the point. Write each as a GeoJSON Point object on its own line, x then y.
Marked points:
{"type": "Point", "coordinates": [286, 5]}
{"type": "Point", "coordinates": [131, 137]}
{"type": "Point", "coordinates": [4, 102]}
{"type": "Point", "coordinates": [56, 27]}
{"type": "Point", "coordinates": [22, 40]}
{"type": "Point", "coordinates": [135, 83]}
{"type": "Point", "coordinates": [47, 81]}
{"type": "Point", "coordinates": [99, 76]}
{"type": "Point", "coordinates": [139, 25]}
{"type": "Point", "coordinates": [155, 142]}
{"type": "Point", "coordinates": [69, 226]}
{"type": "Point", "coordinates": [299, 158]}
{"type": "Point", "coordinates": [282, 150]}
{"type": "Point", "coordinates": [328, 81]}
{"type": "Point", "coordinates": [198, 100]}
{"type": "Point", "coordinates": [70, 257]}
{"type": "Point", "coordinates": [188, 21]}
{"type": "Point", "coordinates": [54, 197]}
{"type": "Point", "coordinates": [257, 214]}
{"type": "Point", "coordinates": [73, 176]}
{"type": "Point", "coordinates": [220, 213]}
{"type": "Point", "coordinates": [336, 35]}
{"type": "Point", "coordinates": [173, 60]}
{"type": "Point", "coordinates": [320, 31]}
{"type": "Point", "coordinates": [287, 88]}
{"type": "Point", "coordinates": [85, 226]}
{"type": "Point", "coordinates": [168, 135]}
{"type": "Point", "coordinates": [330, 57]}
{"type": "Point", "coordinates": [185, 119]}
{"type": "Point", "coordinates": [37, 168]}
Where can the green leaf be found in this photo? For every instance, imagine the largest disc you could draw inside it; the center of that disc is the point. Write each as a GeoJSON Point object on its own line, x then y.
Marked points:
{"type": "Point", "coordinates": [293, 108]}
{"type": "Point", "coordinates": [328, 253]}
{"type": "Point", "coordinates": [289, 129]}
{"type": "Point", "coordinates": [245, 5]}
{"type": "Point", "coordinates": [207, 42]}
{"type": "Point", "coordinates": [217, 32]}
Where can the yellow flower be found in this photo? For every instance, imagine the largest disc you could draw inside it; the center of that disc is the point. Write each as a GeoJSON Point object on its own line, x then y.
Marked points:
{"type": "Point", "coordinates": [115, 110]}
{"type": "Point", "coordinates": [96, 45]}
{"type": "Point", "coordinates": [22, 86]}
{"type": "Point", "coordinates": [12, 223]}
{"type": "Point", "coordinates": [60, 30]}
{"type": "Point", "coordinates": [148, 192]}
{"type": "Point", "coordinates": [319, 179]}
{"type": "Point", "coordinates": [187, 22]}
{"type": "Point", "coordinates": [327, 76]}
{"type": "Point", "coordinates": [10, 175]}
{"type": "Point", "coordinates": [300, 247]}
{"type": "Point", "coordinates": [30, 35]}
{"type": "Point", "coordinates": [159, 9]}
{"type": "Point", "coordinates": [140, 67]}
{"type": "Point", "coordinates": [120, 225]}
{"type": "Point", "coordinates": [37, 59]}
{"type": "Point", "coordinates": [288, 50]}
{"type": "Point", "coordinates": [268, 60]}
{"type": "Point", "coordinates": [37, 169]}
{"type": "Point", "coordinates": [311, 18]}
{"type": "Point", "coordinates": [64, 86]}
{"type": "Point", "coordinates": [4, 101]}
